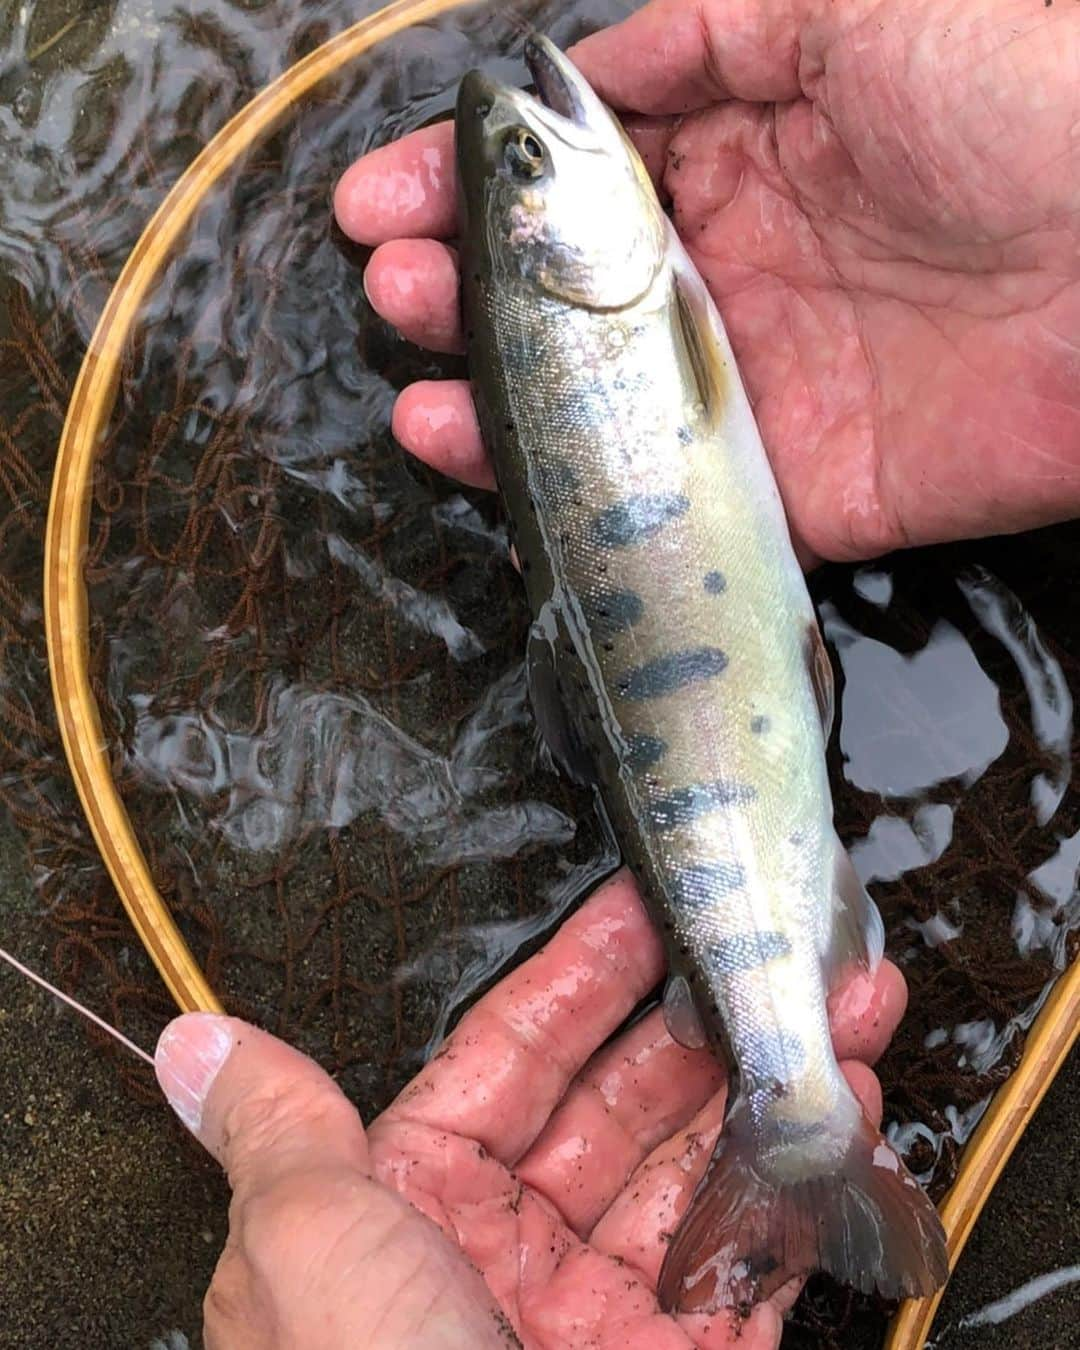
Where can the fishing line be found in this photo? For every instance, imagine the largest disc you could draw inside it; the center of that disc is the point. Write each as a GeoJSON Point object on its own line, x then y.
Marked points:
{"type": "Point", "coordinates": [74, 1003]}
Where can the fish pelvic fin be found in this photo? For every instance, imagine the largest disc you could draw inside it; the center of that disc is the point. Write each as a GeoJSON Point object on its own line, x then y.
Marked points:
{"type": "Point", "coordinates": [752, 1226]}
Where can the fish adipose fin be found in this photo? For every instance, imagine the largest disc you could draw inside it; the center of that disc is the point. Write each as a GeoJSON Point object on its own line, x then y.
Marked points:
{"type": "Point", "coordinates": [865, 1220]}
{"type": "Point", "coordinates": [558, 733]}
{"type": "Point", "coordinates": [856, 938]}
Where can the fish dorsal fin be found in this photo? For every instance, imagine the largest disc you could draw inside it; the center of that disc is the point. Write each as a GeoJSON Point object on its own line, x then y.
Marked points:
{"type": "Point", "coordinates": [680, 1016]}
{"type": "Point", "coordinates": [821, 676]}
{"type": "Point", "coordinates": [548, 639]}
{"type": "Point", "coordinates": [696, 321]}
{"type": "Point", "coordinates": [856, 937]}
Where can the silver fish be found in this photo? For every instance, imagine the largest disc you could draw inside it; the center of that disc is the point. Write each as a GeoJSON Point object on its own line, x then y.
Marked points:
{"type": "Point", "coordinates": [675, 662]}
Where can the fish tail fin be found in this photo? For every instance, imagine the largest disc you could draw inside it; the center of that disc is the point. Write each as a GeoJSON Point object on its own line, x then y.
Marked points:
{"type": "Point", "coordinates": [772, 1207]}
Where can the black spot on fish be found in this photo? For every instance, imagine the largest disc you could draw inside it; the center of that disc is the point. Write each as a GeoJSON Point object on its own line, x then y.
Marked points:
{"type": "Point", "coordinates": [637, 518]}
{"type": "Point", "coordinates": [643, 750]}
{"type": "Point", "coordinates": [770, 1053]}
{"type": "Point", "coordinates": [702, 885]}
{"type": "Point", "coordinates": [715, 583]}
{"type": "Point", "coordinates": [748, 951]}
{"type": "Point", "coordinates": [665, 674]}
{"type": "Point", "coordinates": [614, 611]}
{"type": "Point", "coordinates": [685, 435]}
{"type": "Point", "coordinates": [759, 725]}
{"type": "Point", "coordinates": [685, 804]}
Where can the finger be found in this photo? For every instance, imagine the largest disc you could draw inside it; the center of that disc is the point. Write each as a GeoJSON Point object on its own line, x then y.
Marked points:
{"type": "Point", "coordinates": [510, 1060]}
{"type": "Point", "coordinates": [413, 284]}
{"type": "Point", "coordinates": [674, 57]}
{"type": "Point", "coordinates": [865, 1012]}
{"type": "Point", "coordinates": [635, 1093]}
{"type": "Point", "coordinates": [639, 1224]}
{"type": "Point", "coordinates": [642, 1088]}
{"type": "Point", "coordinates": [405, 189]}
{"type": "Point", "coordinates": [260, 1107]}
{"type": "Point", "coordinates": [436, 421]}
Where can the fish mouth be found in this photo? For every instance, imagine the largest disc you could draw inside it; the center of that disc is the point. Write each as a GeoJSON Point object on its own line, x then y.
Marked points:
{"type": "Point", "coordinates": [553, 86]}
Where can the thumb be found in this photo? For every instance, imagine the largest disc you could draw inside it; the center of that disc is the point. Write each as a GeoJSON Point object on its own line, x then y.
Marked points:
{"type": "Point", "coordinates": [260, 1107]}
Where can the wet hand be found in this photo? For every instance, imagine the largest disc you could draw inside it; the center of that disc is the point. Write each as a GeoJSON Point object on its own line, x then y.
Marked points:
{"type": "Point", "coordinates": [523, 1186]}
{"type": "Point", "coordinates": [885, 202]}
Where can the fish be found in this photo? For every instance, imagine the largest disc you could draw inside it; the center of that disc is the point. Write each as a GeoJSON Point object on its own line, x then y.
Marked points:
{"type": "Point", "coordinates": [675, 664]}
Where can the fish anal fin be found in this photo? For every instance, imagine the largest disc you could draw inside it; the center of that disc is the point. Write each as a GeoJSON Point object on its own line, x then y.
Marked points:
{"type": "Point", "coordinates": [821, 676]}
{"type": "Point", "coordinates": [681, 1017]}
{"type": "Point", "coordinates": [558, 731]}
{"type": "Point", "coordinates": [856, 937]}
{"type": "Point", "coordinates": [863, 1218]}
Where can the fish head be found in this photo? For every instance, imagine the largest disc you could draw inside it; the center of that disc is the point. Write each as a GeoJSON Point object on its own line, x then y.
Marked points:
{"type": "Point", "coordinates": [551, 191]}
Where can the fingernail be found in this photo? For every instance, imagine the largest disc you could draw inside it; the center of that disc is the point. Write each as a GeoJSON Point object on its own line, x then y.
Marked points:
{"type": "Point", "coordinates": [189, 1056]}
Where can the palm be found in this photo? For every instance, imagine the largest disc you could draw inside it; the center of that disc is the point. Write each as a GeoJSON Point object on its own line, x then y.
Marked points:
{"type": "Point", "coordinates": [559, 1163]}
{"type": "Point", "coordinates": [895, 256]}
{"type": "Point", "coordinates": [885, 201]}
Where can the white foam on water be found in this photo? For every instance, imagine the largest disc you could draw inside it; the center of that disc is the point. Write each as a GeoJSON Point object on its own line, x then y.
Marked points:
{"type": "Point", "coordinates": [1020, 1298]}
{"type": "Point", "coordinates": [170, 1340]}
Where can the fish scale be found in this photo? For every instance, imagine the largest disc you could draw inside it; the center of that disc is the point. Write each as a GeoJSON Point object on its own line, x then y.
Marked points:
{"type": "Point", "coordinates": [675, 662]}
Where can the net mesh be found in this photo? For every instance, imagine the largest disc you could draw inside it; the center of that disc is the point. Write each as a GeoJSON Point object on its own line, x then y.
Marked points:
{"type": "Point", "coordinates": [307, 649]}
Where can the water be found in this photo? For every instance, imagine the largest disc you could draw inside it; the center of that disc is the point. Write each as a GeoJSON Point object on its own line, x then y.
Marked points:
{"type": "Point", "coordinates": [1020, 1298]}
{"type": "Point", "coordinates": [308, 648]}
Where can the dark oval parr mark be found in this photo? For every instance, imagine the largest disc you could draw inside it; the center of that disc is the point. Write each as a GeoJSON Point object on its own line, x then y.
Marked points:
{"type": "Point", "coordinates": [614, 611]}
{"type": "Point", "coordinates": [643, 750]}
{"type": "Point", "coordinates": [637, 518]}
{"type": "Point", "coordinates": [686, 804]}
{"type": "Point", "coordinates": [747, 951]}
{"type": "Point", "coordinates": [769, 1052]}
{"type": "Point", "coordinates": [702, 885]}
{"type": "Point", "coordinates": [665, 674]}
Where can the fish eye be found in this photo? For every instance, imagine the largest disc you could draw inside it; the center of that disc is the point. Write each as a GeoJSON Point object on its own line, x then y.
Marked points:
{"type": "Point", "coordinates": [524, 154]}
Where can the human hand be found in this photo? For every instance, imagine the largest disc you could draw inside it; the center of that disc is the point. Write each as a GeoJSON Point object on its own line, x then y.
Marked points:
{"type": "Point", "coordinates": [884, 199]}
{"type": "Point", "coordinates": [523, 1185]}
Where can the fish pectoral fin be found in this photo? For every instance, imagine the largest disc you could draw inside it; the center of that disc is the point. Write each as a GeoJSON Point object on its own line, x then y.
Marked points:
{"type": "Point", "coordinates": [681, 1017]}
{"type": "Point", "coordinates": [821, 676]}
{"type": "Point", "coordinates": [856, 938]}
{"type": "Point", "coordinates": [558, 732]}
{"type": "Point", "coordinates": [706, 366]}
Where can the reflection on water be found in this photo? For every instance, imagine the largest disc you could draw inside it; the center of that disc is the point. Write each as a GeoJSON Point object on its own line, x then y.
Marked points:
{"type": "Point", "coordinates": [308, 649]}
{"type": "Point", "coordinates": [912, 721]}
{"type": "Point", "coordinates": [1019, 1299]}
{"type": "Point", "coordinates": [920, 721]}
{"type": "Point", "coordinates": [1004, 1308]}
